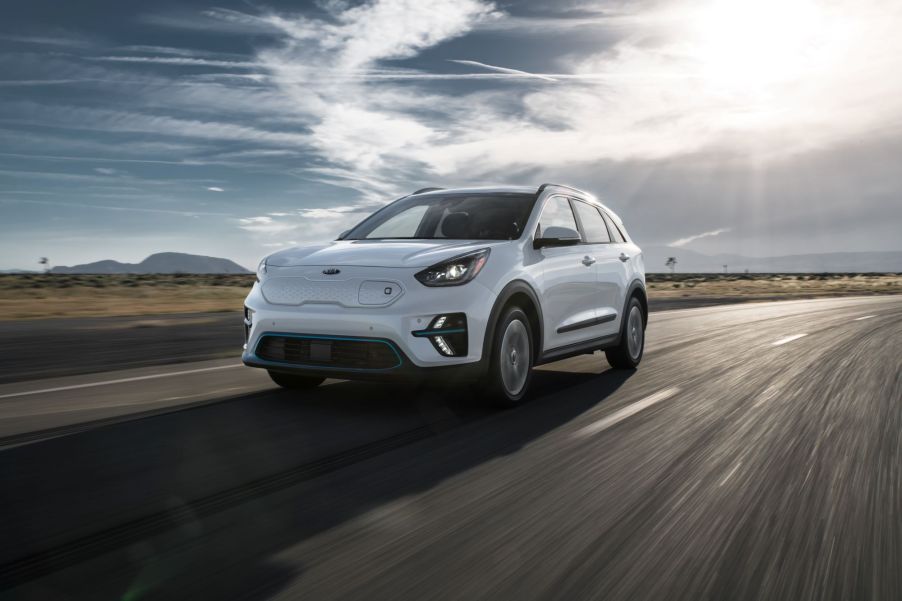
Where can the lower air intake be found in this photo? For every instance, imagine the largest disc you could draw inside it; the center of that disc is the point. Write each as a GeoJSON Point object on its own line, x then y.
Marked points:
{"type": "Point", "coordinates": [338, 353]}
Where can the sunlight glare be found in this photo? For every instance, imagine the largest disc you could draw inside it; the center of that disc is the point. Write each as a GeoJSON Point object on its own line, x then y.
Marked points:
{"type": "Point", "coordinates": [747, 46]}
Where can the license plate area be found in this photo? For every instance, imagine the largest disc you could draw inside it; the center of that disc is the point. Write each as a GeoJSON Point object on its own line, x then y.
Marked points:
{"type": "Point", "coordinates": [321, 351]}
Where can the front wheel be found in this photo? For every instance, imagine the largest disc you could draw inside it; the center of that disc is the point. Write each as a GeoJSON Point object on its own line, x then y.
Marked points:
{"type": "Point", "coordinates": [510, 368]}
{"type": "Point", "coordinates": [628, 353]}
{"type": "Point", "coordinates": [294, 381]}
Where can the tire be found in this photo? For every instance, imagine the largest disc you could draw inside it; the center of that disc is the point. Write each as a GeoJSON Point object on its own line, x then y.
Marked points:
{"type": "Point", "coordinates": [294, 381]}
{"type": "Point", "coordinates": [510, 367]}
{"type": "Point", "coordinates": [628, 352]}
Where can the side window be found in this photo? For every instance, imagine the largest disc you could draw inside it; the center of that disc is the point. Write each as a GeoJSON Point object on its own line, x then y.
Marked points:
{"type": "Point", "coordinates": [615, 232]}
{"type": "Point", "coordinates": [593, 224]}
{"type": "Point", "coordinates": [557, 213]}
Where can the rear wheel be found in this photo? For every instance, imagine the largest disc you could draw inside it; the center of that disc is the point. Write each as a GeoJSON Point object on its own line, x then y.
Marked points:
{"type": "Point", "coordinates": [628, 353]}
{"type": "Point", "coordinates": [295, 381]}
{"type": "Point", "coordinates": [510, 368]}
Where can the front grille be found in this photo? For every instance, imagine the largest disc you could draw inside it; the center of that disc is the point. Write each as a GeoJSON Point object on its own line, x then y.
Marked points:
{"type": "Point", "coordinates": [340, 353]}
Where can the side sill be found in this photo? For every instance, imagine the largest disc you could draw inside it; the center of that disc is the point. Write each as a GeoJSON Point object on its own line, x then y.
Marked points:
{"type": "Point", "coordinates": [579, 348]}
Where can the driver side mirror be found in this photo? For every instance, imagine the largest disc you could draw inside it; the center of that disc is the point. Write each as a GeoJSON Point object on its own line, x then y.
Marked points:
{"type": "Point", "coordinates": [557, 236]}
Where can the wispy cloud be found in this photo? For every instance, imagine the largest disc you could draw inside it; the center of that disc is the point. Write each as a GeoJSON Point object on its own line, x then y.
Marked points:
{"type": "Point", "coordinates": [126, 209]}
{"type": "Point", "coordinates": [215, 189]}
{"type": "Point", "coordinates": [506, 70]}
{"type": "Point", "coordinates": [684, 241]}
{"type": "Point", "coordinates": [56, 40]}
{"type": "Point", "coordinates": [38, 82]}
{"type": "Point", "coordinates": [179, 60]}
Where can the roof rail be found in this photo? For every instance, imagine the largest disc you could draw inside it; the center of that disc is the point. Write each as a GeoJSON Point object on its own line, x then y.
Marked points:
{"type": "Point", "coordinates": [543, 186]}
{"type": "Point", "coordinates": [423, 190]}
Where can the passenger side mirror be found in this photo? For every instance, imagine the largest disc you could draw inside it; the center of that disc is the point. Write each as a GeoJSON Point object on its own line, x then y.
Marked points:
{"type": "Point", "coordinates": [557, 236]}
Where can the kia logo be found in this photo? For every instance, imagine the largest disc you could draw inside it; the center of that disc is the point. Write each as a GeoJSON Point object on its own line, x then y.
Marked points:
{"type": "Point", "coordinates": [331, 271]}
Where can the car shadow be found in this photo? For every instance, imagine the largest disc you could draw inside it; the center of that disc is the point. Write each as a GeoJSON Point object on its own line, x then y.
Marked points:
{"type": "Point", "coordinates": [184, 461]}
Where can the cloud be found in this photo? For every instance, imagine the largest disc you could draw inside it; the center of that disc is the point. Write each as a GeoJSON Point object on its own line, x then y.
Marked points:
{"type": "Point", "coordinates": [505, 70]}
{"type": "Point", "coordinates": [265, 224]}
{"type": "Point", "coordinates": [313, 224]}
{"type": "Point", "coordinates": [107, 120]}
{"type": "Point", "coordinates": [179, 61]}
{"type": "Point", "coordinates": [106, 170]}
{"type": "Point", "coordinates": [215, 189]}
{"type": "Point", "coordinates": [688, 239]}
{"type": "Point", "coordinates": [126, 209]}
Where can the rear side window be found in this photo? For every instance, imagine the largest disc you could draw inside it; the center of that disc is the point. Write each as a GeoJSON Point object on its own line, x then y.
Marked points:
{"type": "Point", "coordinates": [593, 224]}
{"type": "Point", "coordinates": [557, 213]}
{"type": "Point", "coordinates": [616, 234]}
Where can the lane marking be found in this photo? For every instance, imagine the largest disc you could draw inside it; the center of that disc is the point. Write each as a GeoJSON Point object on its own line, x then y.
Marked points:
{"type": "Point", "coordinates": [865, 317]}
{"type": "Point", "coordinates": [730, 475]}
{"type": "Point", "coordinates": [120, 381]}
{"type": "Point", "coordinates": [788, 339]}
{"type": "Point", "coordinates": [619, 416]}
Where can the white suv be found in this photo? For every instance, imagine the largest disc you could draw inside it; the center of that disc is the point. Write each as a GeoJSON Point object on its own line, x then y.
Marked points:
{"type": "Point", "coordinates": [476, 284]}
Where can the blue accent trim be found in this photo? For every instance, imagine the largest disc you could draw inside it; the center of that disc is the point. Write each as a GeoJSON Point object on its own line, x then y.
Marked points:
{"type": "Point", "coordinates": [424, 333]}
{"type": "Point", "coordinates": [387, 343]}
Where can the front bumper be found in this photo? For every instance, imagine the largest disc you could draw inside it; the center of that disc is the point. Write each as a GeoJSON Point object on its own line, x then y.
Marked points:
{"type": "Point", "coordinates": [399, 325]}
{"type": "Point", "coordinates": [402, 369]}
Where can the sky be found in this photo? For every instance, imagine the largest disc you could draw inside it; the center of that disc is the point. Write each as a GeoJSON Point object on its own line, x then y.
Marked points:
{"type": "Point", "coordinates": [238, 128]}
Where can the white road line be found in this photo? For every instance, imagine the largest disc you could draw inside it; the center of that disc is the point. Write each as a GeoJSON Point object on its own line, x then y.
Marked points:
{"type": "Point", "coordinates": [864, 317]}
{"type": "Point", "coordinates": [120, 381]}
{"type": "Point", "coordinates": [619, 416]}
{"type": "Point", "coordinates": [788, 339]}
{"type": "Point", "coordinates": [730, 475]}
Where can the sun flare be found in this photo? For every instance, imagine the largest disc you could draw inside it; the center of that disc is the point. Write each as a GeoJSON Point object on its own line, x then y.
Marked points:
{"type": "Point", "coordinates": [748, 46]}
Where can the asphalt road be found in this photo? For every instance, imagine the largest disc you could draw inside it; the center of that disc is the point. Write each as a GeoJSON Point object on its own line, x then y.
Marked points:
{"type": "Point", "coordinates": [756, 453]}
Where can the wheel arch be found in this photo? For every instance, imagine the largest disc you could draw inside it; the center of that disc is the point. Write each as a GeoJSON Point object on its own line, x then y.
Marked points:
{"type": "Point", "coordinates": [637, 289]}
{"type": "Point", "coordinates": [516, 293]}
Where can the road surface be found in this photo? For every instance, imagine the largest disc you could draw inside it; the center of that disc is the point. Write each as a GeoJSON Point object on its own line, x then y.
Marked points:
{"type": "Point", "coordinates": [756, 453]}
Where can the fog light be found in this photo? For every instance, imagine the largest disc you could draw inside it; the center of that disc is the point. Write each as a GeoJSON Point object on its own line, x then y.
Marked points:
{"type": "Point", "coordinates": [447, 333]}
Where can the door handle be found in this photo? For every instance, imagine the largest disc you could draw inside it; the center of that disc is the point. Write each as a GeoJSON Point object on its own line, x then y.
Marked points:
{"type": "Point", "coordinates": [624, 257]}
{"type": "Point", "coordinates": [587, 260]}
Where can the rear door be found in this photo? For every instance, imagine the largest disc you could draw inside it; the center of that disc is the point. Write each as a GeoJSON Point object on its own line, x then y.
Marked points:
{"type": "Point", "coordinates": [568, 284]}
{"type": "Point", "coordinates": [624, 261]}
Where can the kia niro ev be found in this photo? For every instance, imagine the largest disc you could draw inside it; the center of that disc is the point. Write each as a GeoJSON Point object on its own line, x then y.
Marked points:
{"type": "Point", "coordinates": [476, 284]}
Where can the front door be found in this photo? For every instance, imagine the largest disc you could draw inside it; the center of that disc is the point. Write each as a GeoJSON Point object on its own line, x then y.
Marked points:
{"type": "Point", "coordinates": [568, 282]}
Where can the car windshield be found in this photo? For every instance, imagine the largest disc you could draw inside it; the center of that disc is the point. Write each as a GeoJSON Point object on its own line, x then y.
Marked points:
{"type": "Point", "coordinates": [458, 216]}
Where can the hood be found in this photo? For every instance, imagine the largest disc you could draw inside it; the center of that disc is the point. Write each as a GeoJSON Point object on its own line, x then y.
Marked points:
{"type": "Point", "coordinates": [377, 253]}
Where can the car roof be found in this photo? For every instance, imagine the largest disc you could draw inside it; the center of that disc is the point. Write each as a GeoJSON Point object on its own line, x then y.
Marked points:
{"type": "Point", "coordinates": [478, 190]}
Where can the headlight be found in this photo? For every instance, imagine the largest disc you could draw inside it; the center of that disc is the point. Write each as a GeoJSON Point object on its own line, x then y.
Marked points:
{"type": "Point", "coordinates": [261, 270]}
{"type": "Point", "coordinates": [454, 271]}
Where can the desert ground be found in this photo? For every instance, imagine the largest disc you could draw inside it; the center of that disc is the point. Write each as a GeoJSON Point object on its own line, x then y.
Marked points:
{"type": "Point", "coordinates": [41, 296]}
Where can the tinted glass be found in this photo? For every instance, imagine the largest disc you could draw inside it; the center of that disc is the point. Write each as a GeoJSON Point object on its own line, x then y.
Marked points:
{"type": "Point", "coordinates": [557, 213]}
{"type": "Point", "coordinates": [615, 233]}
{"type": "Point", "coordinates": [593, 224]}
{"type": "Point", "coordinates": [495, 216]}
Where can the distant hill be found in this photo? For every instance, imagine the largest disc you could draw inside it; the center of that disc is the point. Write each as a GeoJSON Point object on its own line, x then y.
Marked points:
{"type": "Point", "coordinates": [159, 263]}
{"type": "Point", "coordinates": [689, 261]}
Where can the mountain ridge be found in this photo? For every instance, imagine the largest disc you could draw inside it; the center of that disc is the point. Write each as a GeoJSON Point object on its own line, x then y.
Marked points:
{"type": "Point", "coordinates": [164, 262]}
